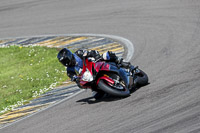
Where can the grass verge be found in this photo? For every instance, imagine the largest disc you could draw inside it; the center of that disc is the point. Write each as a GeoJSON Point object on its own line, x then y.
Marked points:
{"type": "Point", "coordinates": [26, 72]}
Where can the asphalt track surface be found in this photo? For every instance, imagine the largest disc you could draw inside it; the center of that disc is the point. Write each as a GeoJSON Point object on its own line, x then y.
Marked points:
{"type": "Point", "coordinates": [166, 38]}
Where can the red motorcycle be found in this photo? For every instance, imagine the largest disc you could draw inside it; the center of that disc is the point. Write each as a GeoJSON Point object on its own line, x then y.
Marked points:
{"type": "Point", "coordinates": [110, 78]}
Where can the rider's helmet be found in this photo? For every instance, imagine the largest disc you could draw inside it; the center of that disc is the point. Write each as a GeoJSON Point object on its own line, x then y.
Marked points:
{"type": "Point", "coordinates": [66, 57]}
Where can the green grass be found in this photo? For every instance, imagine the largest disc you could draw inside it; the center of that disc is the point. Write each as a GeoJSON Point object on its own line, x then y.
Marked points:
{"type": "Point", "coordinates": [26, 72]}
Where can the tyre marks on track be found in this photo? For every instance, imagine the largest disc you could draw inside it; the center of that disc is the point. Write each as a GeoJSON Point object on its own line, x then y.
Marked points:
{"type": "Point", "coordinates": [101, 44]}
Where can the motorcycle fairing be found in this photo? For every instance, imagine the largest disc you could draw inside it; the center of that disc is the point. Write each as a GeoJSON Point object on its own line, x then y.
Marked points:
{"type": "Point", "coordinates": [107, 79]}
{"type": "Point", "coordinates": [111, 67]}
{"type": "Point", "coordinates": [102, 67]}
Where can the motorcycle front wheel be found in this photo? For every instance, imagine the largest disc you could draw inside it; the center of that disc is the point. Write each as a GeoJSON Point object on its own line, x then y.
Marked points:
{"type": "Point", "coordinates": [125, 92]}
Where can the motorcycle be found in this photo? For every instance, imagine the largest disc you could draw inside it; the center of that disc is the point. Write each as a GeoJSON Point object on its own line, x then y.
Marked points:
{"type": "Point", "coordinates": [110, 77]}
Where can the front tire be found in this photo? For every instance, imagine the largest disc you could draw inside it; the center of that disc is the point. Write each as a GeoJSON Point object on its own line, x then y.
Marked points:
{"type": "Point", "coordinates": [108, 89]}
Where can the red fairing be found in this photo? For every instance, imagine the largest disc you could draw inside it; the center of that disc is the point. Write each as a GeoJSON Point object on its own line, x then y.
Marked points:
{"type": "Point", "coordinates": [89, 67]}
{"type": "Point", "coordinates": [104, 66]}
{"type": "Point", "coordinates": [107, 79]}
{"type": "Point", "coordinates": [82, 83]}
{"type": "Point", "coordinates": [98, 66]}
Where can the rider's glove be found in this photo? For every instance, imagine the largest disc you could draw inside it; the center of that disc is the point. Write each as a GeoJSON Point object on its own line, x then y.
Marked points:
{"type": "Point", "coordinates": [74, 78]}
{"type": "Point", "coordinates": [77, 80]}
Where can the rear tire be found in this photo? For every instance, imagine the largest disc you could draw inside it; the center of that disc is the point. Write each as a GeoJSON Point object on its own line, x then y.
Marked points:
{"type": "Point", "coordinates": [142, 78]}
{"type": "Point", "coordinates": [108, 89]}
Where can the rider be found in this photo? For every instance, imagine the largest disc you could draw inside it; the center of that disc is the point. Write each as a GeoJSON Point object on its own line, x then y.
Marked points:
{"type": "Point", "coordinates": [74, 63]}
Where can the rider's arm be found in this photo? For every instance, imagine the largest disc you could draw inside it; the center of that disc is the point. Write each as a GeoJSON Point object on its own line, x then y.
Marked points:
{"type": "Point", "coordinates": [71, 73]}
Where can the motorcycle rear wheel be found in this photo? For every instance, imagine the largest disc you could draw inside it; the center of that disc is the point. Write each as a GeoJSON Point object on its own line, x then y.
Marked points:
{"type": "Point", "coordinates": [108, 89]}
{"type": "Point", "coordinates": [142, 78]}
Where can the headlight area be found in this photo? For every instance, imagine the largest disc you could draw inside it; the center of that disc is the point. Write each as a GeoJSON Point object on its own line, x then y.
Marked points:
{"type": "Point", "coordinates": [87, 76]}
